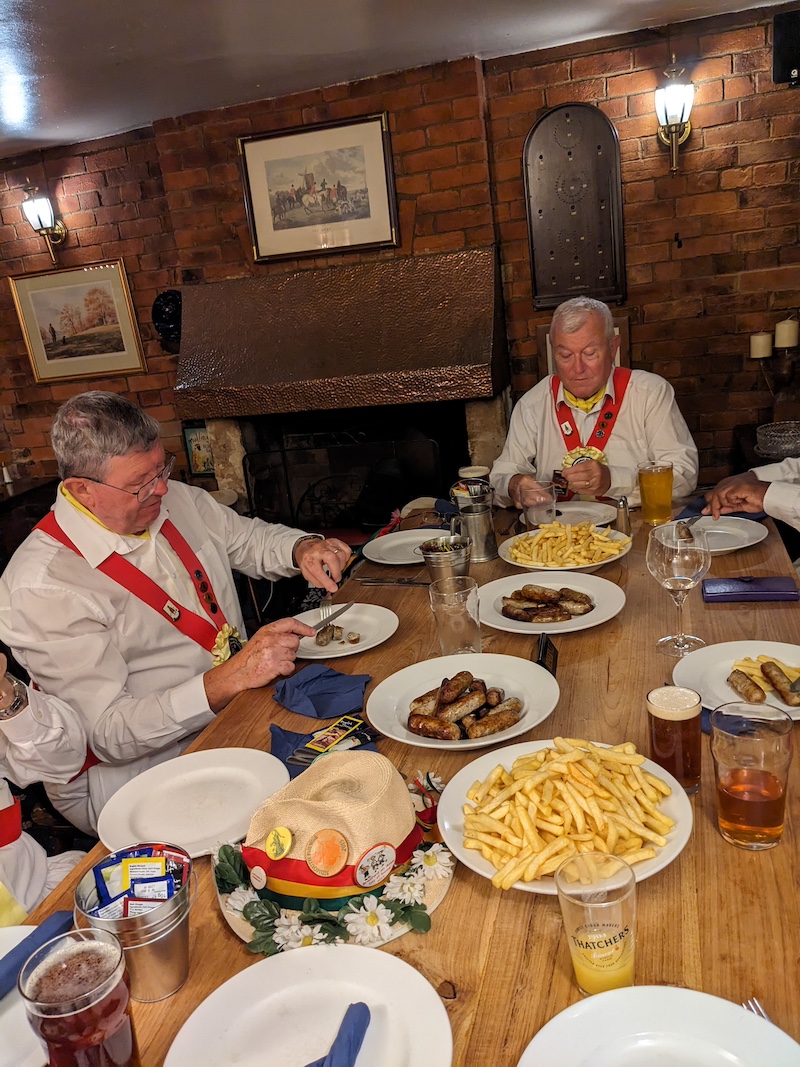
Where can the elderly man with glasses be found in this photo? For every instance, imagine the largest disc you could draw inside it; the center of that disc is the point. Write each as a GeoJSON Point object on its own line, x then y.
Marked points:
{"type": "Point", "coordinates": [122, 603]}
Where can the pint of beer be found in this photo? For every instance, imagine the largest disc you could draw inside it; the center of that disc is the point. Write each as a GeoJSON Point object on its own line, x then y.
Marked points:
{"type": "Point", "coordinates": [655, 489]}
{"type": "Point", "coordinates": [674, 714]}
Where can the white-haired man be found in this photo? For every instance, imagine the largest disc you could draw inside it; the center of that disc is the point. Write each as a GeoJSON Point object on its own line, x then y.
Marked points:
{"type": "Point", "coordinates": [590, 422]}
{"type": "Point", "coordinates": [121, 602]}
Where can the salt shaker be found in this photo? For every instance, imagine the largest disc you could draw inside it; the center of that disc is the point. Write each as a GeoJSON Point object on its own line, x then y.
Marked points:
{"type": "Point", "coordinates": [623, 520]}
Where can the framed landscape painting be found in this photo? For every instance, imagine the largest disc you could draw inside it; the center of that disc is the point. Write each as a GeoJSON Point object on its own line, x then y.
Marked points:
{"type": "Point", "coordinates": [318, 189]}
{"type": "Point", "coordinates": [78, 322]}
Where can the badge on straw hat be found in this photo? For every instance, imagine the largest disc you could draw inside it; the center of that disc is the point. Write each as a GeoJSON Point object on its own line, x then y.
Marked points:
{"type": "Point", "coordinates": [357, 867]}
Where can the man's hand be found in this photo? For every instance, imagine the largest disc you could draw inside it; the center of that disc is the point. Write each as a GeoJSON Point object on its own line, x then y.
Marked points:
{"type": "Point", "coordinates": [741, 492]}
{"type": "Point", "coordinates": [589, 478]}
{"type": "Point", "coordinates": [6, 688]}
{"type": "Point", "coordinates": [269, 653]}
{"type": "Point", "coordinates": [518, 484]}
{"type": "Point", "coordinates": [321, 562]}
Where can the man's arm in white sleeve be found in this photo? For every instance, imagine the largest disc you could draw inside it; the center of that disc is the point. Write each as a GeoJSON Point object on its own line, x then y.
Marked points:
{"type": "Point", "coordinates": [670, 439]}
{"type": "Point", "coordinates": [44, 742]}
{"type": "Point", "coordinates": [788, 470]}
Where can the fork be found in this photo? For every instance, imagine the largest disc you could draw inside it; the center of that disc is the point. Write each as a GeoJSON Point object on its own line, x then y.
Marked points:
{"type": "Point", "coordinates": [754, 1005]}
{"type": "Point", "coordinates": [325, 607]}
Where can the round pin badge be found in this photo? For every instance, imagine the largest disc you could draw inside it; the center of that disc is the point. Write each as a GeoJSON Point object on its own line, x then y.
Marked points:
{"type": "Point", "coordinates": [278, 842]}
{"type": "Point", "coordinates": [376, 865]}
{"type": "Point", "coordinates": [326, 853]}
{"type": "Point", "coordinates": [258, 877]}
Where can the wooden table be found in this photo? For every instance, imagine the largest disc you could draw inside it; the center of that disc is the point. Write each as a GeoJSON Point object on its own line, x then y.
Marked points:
{"type": "Point", "coordinates": [718, 919]}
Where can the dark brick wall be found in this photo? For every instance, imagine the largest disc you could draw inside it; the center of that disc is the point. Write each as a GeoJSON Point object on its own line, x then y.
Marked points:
{"type": "Point", "coordinates": [168, 201]}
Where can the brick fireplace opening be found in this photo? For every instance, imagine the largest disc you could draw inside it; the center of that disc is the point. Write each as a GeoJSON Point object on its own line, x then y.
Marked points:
{"type": "Point", "coordinates": [351, 467]}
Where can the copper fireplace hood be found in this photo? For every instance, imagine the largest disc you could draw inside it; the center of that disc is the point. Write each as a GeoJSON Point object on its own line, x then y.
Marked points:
{"type": "Point", "coordinates": [399, 330]}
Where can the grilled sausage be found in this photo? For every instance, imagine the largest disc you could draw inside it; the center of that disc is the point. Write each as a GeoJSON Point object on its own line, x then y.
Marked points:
{"type": "Point", "coordinates": [478, 686]}
{"type": "Point", "coordinates": [455, 687]}
{"type": "Point", "coordinates": [495, 696]}
{"type": "Point", "coordinates": [427, 726]}
{"type": "Point", "coordinates": [781, 683]}
{"type": "Point", "coordinates": [493, 724]}
{"type": "Point", "coordinates": [511, 611]}
{"type": "Point", "coordinates": [463, 706]}
{"type": "Point", "coordinates": [512, 704]}
{"type": "Point", "coordinates": [553, 613]}
{"type": "Point", "coordinates": [325, 635]}
{"type": "Point", "coordinates": [424, 705]}
{"type": "Point", "coordinates": [746, 687]}
{"type": "Point", "coordinates": [539, 593]}
{"type": "Point", "coordinates": [576, 596]}
{"type": "Point", "coordinates": [575, 607]}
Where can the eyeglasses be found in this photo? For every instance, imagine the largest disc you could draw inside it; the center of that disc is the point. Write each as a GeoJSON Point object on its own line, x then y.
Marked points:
{"type": "Point", "coordinates": [144, 492]}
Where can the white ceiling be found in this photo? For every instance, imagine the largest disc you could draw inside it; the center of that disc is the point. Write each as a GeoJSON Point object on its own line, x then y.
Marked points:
{"type": "Point", "coordinates": [79, 70]}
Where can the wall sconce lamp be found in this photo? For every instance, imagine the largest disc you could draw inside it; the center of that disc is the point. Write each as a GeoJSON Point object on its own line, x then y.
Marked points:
{"type": "Point", "coordinates": [673, 107]}
{"type": "Point", "coordinates": [39, 213]}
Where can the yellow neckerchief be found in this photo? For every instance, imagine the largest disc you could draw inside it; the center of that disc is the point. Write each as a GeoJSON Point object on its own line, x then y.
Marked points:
{"type": "Point", "coordinates": [586, 405]}
{"type": "Point", "coordinates": [85, 511]}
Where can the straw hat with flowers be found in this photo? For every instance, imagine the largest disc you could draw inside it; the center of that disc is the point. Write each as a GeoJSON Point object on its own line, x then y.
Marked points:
{"type": "Point", "coordinates": [337, 855]}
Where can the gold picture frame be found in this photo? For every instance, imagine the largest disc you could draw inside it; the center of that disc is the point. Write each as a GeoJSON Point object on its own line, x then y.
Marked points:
{"type": "Point", "coordinates": [316, 190]}
{"type": "Point", "coordinates": [78, 322]}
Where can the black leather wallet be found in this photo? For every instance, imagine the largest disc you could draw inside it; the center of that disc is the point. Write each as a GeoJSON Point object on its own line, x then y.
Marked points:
{"type": "Point", "coordinates": [748, 587]}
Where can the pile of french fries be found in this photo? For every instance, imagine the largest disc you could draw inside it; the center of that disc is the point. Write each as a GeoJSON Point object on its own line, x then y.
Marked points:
{"type": "Point", "coordinates": [558, 545]}
{"type": "Point", "coordinates": [575, 797]}
{"type": "Point", "coordinates": [752, 668]}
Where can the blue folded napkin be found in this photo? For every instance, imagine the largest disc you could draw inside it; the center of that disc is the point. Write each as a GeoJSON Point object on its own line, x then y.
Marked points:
{"type": "Point", "coordinates": [695, 507]}
{"type": "Point", "coordinates": [322, 692]}
{"type": "Point", "coordinates": [11, 964]}
{"type": "Point", "coordinates": [347, 1043]}
{"type": "Point", "coordinates": [284, 742]}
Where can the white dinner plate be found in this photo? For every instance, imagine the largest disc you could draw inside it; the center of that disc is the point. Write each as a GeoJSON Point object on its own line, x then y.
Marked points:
{"type": "Point", "coordinates": [398, 548]}
{"type": "Point", "coordinates": [286, 1010]}
{"type": "Point", "coordinates": [609, 600]}
{"type": "Point", "coordinates": [575, 511]}
{"type": "Point", "coordinates": [388, 703]}
{"type": "Point", "coordinates": [450, 815]}
{"type": "Point", "coordinates": [615, 535]}
{"type": "Point", "coordinates": [19, 1046]}
{"type": "Point", "coordinates": [659, 1026]}
{"type": "Point", "coordinates": [706, 670]}
{"type": "Point", "coordinates": [729, 534]}
{"type": "Point", "coordinates": [375, 624]}
{"type": "Point", "coordinates": [196, 800]}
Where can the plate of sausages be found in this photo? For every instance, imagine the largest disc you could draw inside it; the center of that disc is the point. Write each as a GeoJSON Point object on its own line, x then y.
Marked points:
{"type": "Point", "coordinates": [710, 672]}
{"type": "Point", "coordinates": [463, 702]}
{"type": "Point", "coordinates": [559, 603]}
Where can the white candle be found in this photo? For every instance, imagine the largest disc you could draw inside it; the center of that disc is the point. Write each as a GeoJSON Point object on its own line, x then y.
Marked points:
{"type": "Point", "coordinates": [760, 345]}
{"type": "Point", "coordinates": [786, 333]}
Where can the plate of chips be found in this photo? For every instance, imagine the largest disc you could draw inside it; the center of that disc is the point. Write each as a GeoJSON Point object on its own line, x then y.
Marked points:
{"type": "Point", "coordinates": [564, 547]}
{"type": "Point", "coordinates": [476, 802]}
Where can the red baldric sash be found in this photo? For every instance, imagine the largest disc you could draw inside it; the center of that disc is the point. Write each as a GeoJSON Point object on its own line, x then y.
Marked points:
{"type": "Point", "coordinates": [606, 421]}
{"type": "Point", "coordinates": [10, 823]}
{"type": "Point", "coordinates": [140, 585]}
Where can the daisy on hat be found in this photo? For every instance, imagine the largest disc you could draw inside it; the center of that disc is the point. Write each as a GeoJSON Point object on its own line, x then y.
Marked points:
{"type": "Point", "coordinates": [336, 855]}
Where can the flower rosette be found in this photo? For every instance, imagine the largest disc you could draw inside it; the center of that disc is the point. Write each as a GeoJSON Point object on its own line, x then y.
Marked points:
{"type": "Point", "coordinates": [403, 903]}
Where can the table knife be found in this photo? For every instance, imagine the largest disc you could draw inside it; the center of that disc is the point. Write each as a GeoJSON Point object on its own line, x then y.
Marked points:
{"type": "Point", "coordinates": [330, 618]}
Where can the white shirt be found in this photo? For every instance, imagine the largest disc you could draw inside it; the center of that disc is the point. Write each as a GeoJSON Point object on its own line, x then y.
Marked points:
{"type": "Point", "coordinates": [649, 426]}
{"type": "Point", "coordinates": [134, 681]}
{"type": "Point", "coordinates": [782, 499]}
{"type": "Point", "coordinates": [26, 871]}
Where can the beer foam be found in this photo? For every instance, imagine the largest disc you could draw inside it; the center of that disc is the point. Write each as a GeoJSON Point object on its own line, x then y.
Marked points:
{"type": "Point", "coordinates": [673, 702]}
{"type": "Point", "coordinates": [72, 971]}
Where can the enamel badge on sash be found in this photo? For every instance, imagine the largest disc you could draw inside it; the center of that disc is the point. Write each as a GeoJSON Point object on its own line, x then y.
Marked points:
{"type": "Point", "coordinates": [566, 429]}
{"type": "Point", "coordinates": [172, 611]}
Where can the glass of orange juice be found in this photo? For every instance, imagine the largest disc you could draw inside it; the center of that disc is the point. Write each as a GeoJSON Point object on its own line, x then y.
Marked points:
{"type": "Point", "coordinates": [655, 490]}
{"type": "Point", "coordinates": [597, 894]}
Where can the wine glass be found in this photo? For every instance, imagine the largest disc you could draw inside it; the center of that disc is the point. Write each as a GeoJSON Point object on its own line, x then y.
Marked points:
{"type": "Point", "coordinates": [678, 557]}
